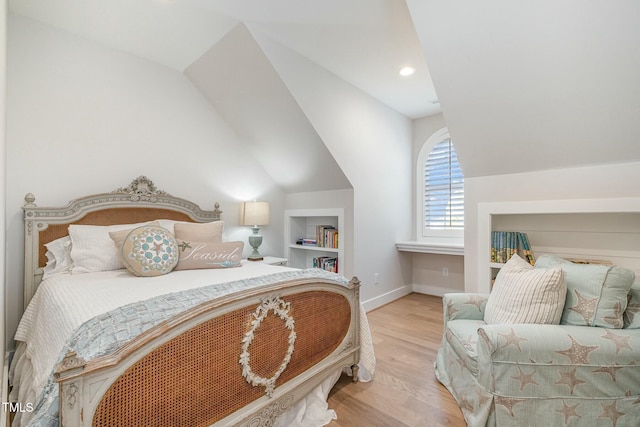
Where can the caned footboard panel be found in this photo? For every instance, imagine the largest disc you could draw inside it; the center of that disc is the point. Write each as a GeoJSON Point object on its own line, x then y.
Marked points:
{"type": "Point", "coordinates": [196, 379]}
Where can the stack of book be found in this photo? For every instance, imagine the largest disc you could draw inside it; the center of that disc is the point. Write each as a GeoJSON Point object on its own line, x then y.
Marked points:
{"type": "Point", "coordinates": [307, 242]}
{"type": "Point", "coordinates": [327, 236]}
{"type": "Point", "coordinates": [326, 263]}
{"type": "Point", "coordinates": [506, 243]}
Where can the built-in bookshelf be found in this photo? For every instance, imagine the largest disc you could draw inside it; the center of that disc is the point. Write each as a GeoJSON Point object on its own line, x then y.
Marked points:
{"type": "Point", "coordinates": [598, 230]}
{"type": "Point", "coordinates": [506, 243]}
{"type": "Point", "coordinates": [313, 238]}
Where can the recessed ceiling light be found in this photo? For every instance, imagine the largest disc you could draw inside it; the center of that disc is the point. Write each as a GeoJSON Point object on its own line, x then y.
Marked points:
{"type": "Point", "coordinates": [407, 71]}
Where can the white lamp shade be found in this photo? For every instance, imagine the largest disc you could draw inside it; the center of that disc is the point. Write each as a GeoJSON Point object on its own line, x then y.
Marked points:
{"type": "Point", "coordinates": [254, 213]}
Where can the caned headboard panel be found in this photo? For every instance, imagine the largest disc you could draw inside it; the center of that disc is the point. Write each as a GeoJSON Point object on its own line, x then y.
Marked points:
{"type": "Point", "coordinates": [109, 216]}
{"type": "Point", "coordinates": [138, 202]}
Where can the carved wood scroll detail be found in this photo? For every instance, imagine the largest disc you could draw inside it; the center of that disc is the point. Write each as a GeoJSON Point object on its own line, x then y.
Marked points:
{"type": "Point", "coordinates": [280, 309]}
{"type": "Point", "coordinates": [71, 392]}
{"type": "Point", "coordinates": [142, 188]}
{"type": "Point", "coordinates": [268, 415]}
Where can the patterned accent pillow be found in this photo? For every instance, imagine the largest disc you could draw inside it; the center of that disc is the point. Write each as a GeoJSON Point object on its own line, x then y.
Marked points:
{"type": "Point", "coordinates": [521, 294]}
{"type": "Point", "coordinates": [632, 313]}
{"type": "Point", "coordinates": [147, 251]}
{"type": "Point", "coordinates": [208, 232]}
{"type": "Point", "coordinates": [196, 255]}
{"type": "Point", "coordinates": [596, 294]}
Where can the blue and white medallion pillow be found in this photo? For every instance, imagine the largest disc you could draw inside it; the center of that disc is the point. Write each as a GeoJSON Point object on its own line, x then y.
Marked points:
{"type": "Point", "coordinates": [148, 250]}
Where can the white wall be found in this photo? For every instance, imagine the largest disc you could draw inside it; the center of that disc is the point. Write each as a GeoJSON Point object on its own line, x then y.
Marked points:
{"type": "Point", "coordinates": [372, 144]}
{"type": "Point", "coordinates": [588, 182]}
{"type": "Point", "coordinates": [84, 119]}
{"type": "Point", "coordinates": [3, 147]}
{"type": "Point", "coordinates": [239, 81]}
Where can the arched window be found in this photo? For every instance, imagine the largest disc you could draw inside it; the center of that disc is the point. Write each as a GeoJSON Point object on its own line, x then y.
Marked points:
{"type": "Point", "coordinates": [441, 188]}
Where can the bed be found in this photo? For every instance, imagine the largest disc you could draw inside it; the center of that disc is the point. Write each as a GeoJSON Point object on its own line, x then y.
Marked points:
{"type": "Point", "coordinates": [153, 344]}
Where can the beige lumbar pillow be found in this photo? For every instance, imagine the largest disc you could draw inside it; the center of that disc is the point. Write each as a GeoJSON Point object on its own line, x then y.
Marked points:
{"type": "Point", "coordinates": [149, 250]}
{"type": "Point", "coordinates": [522, 294]}
{"type": "Point", "coordinates": [195, 255]}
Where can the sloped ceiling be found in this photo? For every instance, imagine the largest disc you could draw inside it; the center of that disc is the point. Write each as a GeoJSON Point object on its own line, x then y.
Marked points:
{"type": "Point", "coordinates": [522, 86]}
{"type": "Point", "coordinates": [239, 81]}
{"type": "Point", "coordinates": [535, 85]}
{"type": "Point", "coordinates": [365, 42]}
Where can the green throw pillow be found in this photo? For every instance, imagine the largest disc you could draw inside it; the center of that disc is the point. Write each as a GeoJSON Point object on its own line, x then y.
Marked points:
{"type": "Point", "coordinates": [596, 294]}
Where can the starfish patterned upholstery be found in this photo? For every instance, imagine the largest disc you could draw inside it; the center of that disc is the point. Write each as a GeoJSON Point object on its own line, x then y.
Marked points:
{"type": "Point", "coordinates": [538, 375]}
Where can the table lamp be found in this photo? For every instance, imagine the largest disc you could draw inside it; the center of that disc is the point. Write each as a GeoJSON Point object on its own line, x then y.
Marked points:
{"type": "Point", "coordinates": [254, 214]}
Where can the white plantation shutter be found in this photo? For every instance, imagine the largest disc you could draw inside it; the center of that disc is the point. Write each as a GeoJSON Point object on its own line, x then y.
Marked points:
{"type": "Point", "coordinates": [443, 189]}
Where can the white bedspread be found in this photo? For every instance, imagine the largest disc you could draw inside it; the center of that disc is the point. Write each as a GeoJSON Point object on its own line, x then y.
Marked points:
{"type": "Point", "coordinates": [48, 323]}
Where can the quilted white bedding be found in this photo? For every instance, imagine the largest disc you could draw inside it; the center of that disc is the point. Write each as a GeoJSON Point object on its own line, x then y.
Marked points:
{"type": "Point", "coordinates": [65, 301]}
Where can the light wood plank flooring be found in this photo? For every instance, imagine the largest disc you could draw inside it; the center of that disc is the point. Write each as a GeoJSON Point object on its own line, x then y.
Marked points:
{"type": "Point", "coordinates": [404, 392]}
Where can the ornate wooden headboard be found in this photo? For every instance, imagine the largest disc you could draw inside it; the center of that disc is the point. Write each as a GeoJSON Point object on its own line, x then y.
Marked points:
{"type": "Point", "coordinates": [138, 202]}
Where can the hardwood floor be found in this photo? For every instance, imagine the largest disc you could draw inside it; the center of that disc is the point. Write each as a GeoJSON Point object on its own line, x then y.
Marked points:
{"type": "Point", "coordinates": [404, 392]}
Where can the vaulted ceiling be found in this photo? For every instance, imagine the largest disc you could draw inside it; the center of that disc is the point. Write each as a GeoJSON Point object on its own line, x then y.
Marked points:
{"type": "Point", "coordinates": [522, 85]}
{"type": "Point", "coordinates": [365, 42]}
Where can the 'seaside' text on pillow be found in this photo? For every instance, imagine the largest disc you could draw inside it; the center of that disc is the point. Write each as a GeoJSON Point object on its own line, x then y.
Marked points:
{"type": "Point", "coordinates": [197, 255]}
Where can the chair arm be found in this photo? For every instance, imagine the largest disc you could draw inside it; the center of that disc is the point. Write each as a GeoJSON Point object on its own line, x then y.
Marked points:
{"type": "Point", "coordinates": [464, 306]}
{"type": "Point", "coordinates": [559, 344]}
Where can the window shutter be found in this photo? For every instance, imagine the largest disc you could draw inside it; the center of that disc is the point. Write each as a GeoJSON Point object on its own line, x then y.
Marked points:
{"type": "Point", "coordinates": [443, 189]}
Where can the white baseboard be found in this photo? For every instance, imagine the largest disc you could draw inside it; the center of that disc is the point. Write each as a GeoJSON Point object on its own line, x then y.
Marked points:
{"type": "Point", "coordinates": [432, 290]}
{"type": "Point", "coordinates": [383, 299]}
{"type": "Point", "coordinates": [395, 294]}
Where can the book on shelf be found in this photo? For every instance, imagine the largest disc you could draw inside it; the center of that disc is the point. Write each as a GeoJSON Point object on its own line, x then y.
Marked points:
{"type": "Point", "coordinates": [326, 263]}
{"type": "Point", "coordinates": [307, 242]}
{"type": "Point", "coordinates": [506, 243]}
{"type": "Point", "coordinates": [327, 236]}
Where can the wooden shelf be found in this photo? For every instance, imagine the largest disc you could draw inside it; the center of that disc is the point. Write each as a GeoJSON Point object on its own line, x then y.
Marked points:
{"type": "Point", "coordinates": [602, 229]}
{"type": "Point", "coordinates": [314, 248]}
{"type": "Point", "coordinates": [431, 248]}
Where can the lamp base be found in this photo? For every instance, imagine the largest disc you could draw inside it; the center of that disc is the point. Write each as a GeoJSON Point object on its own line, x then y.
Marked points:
{"type": "Point", "coordinates": [255, 240]}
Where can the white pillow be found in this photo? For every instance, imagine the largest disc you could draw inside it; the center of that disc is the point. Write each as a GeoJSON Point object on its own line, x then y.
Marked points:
{"type": "Point", "coordinates": [58, 257]}
{"type": "Point", "coordinates": [522, 294]}
{"type": "Point", "coordinates": [92, 248]}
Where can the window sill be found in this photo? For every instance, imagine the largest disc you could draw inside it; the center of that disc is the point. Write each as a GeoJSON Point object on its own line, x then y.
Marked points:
{"type": "Point", "coordinates": [452, 248]}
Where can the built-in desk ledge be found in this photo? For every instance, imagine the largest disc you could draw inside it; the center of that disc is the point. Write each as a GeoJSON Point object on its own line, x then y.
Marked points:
{"type": "Point", "coordinates": [432, 248]}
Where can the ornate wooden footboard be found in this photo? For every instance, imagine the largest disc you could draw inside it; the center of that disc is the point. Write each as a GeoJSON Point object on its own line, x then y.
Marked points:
{"type": "Point", "coordinates": [242, 360]}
